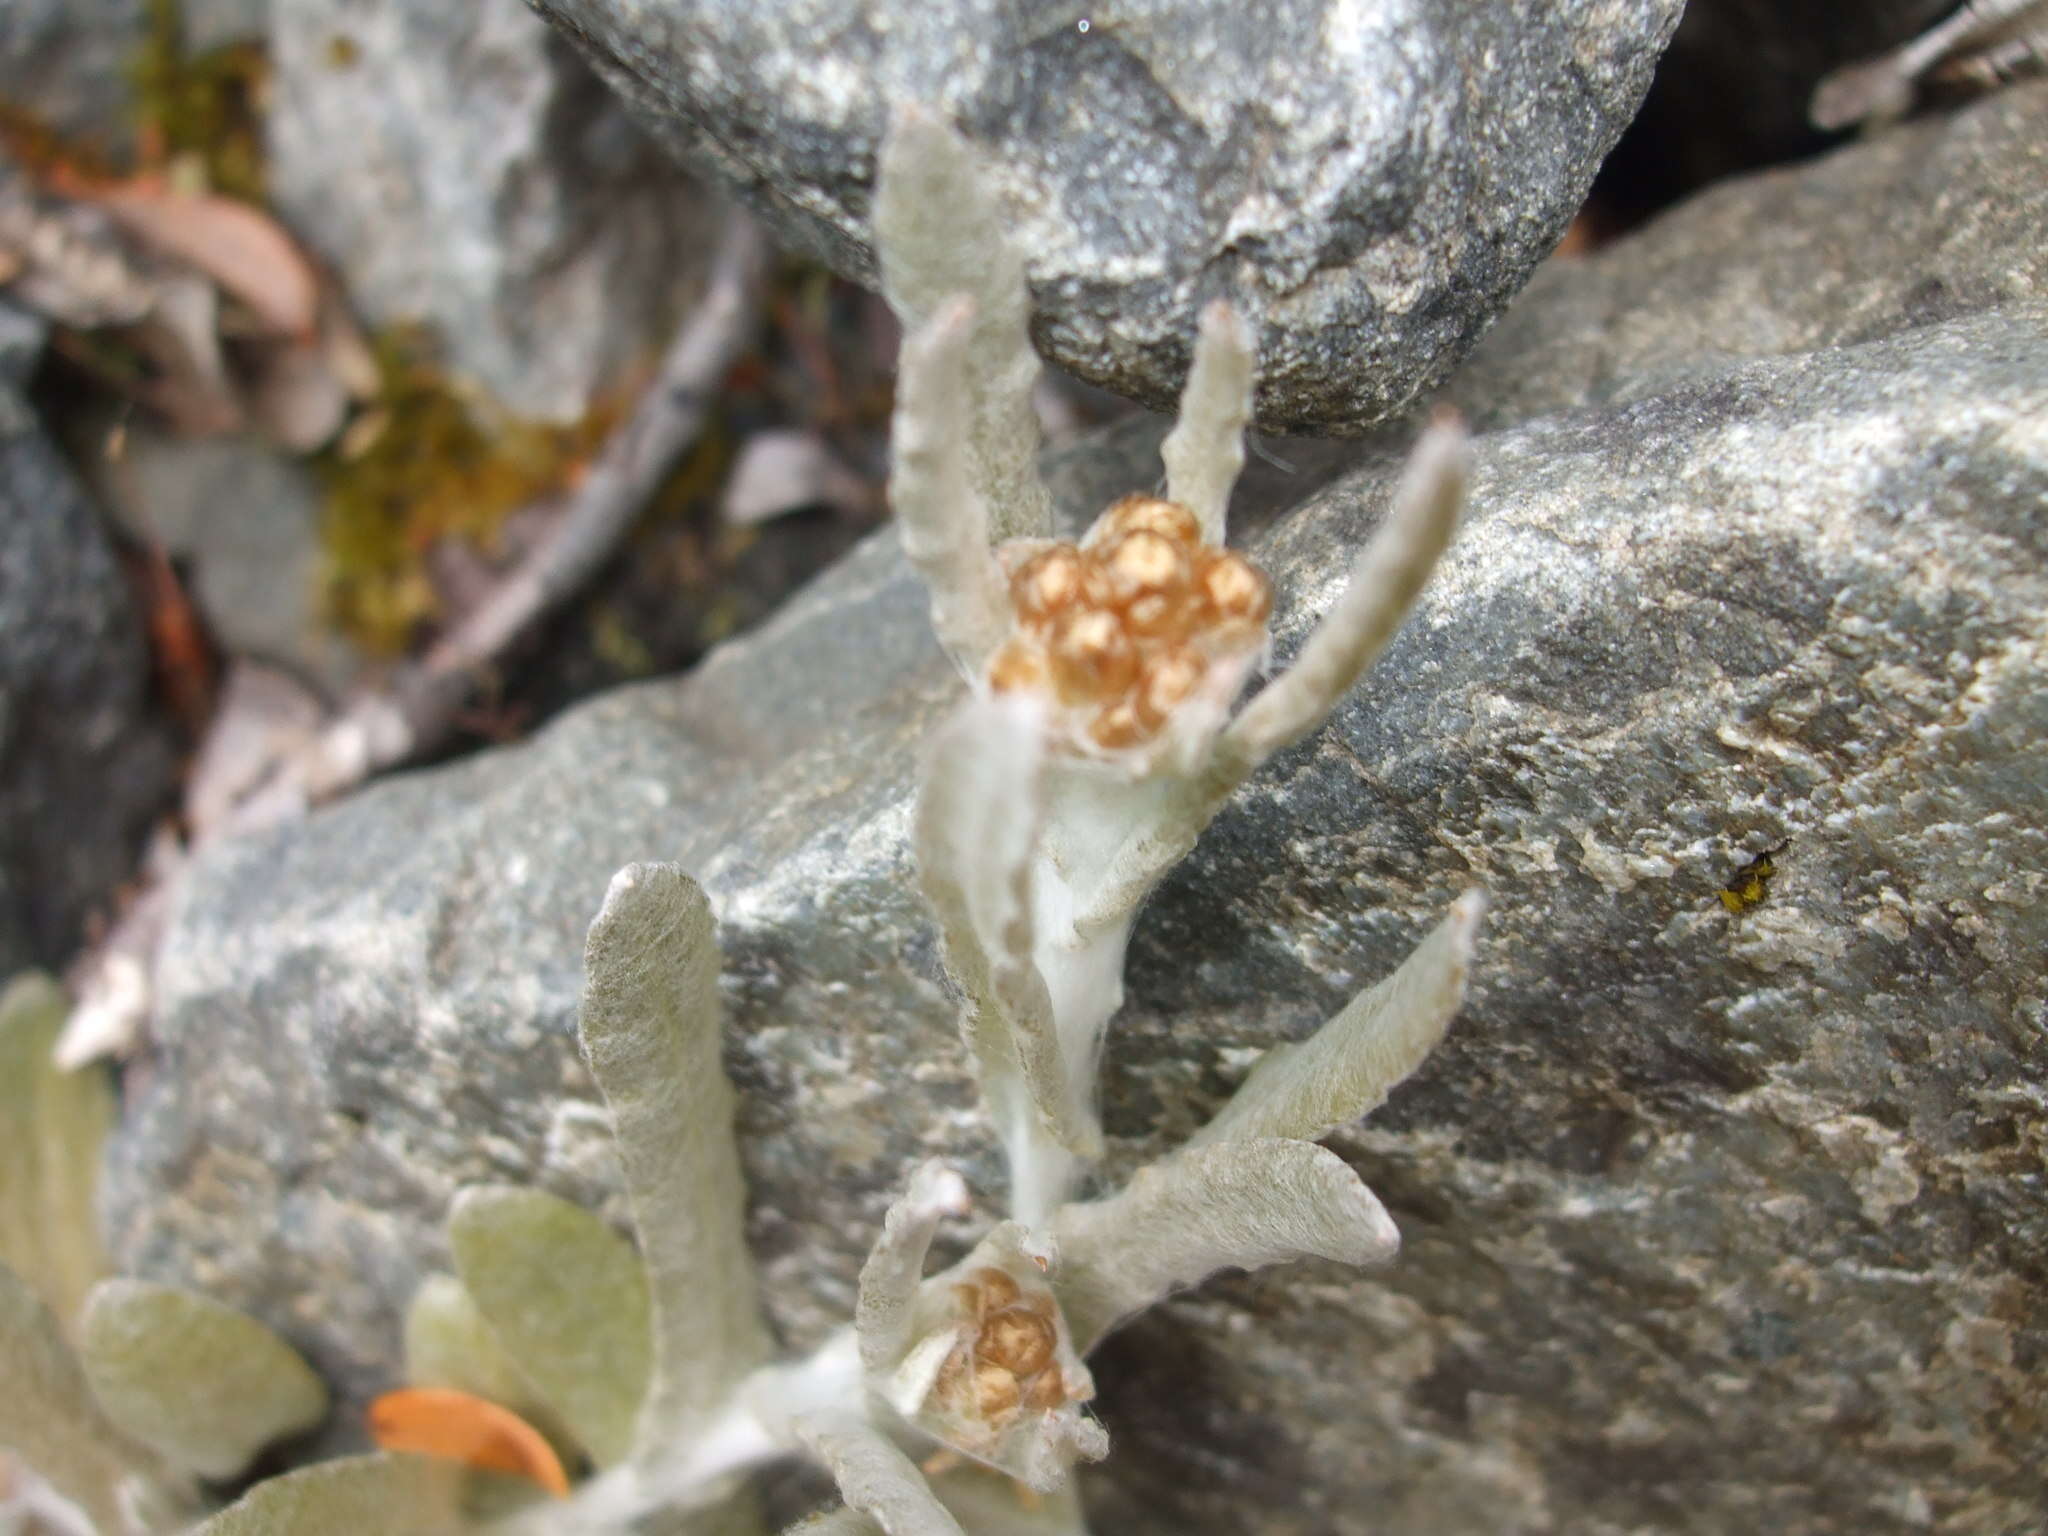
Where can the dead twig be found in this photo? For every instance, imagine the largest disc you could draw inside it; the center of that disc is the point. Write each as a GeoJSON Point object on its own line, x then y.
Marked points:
{"type": "Point", "coordinates": [419, 704]}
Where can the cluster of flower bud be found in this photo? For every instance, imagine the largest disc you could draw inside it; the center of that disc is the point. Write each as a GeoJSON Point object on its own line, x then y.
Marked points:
{"type": "Point", "coordinates": [1006, 1363]}
{"type": "Point", "coordinates": [1119, 632]}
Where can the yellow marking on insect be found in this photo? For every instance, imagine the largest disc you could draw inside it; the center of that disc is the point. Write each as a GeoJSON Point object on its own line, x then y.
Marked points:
{"type": "Point", "coordinates": [1752, 882]}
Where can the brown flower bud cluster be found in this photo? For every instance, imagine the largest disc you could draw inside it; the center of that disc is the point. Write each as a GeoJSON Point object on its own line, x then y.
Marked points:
{"type": "Point", "coordinates": [1010, 1366]}
{"type": "Point", "coordinates": [1122, 629]}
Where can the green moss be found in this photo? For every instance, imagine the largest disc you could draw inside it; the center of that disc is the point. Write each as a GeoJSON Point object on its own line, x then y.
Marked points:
{"type": "Point", "coordinates": [425, 462]}
{"type": "Point", "coordinates": [205, 106]}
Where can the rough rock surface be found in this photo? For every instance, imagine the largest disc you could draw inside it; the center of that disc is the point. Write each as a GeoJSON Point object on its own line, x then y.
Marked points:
{"type": "Point", "coordinates": [1925, 222]}
{"type": "Point", "coordinates": [1734, 88]}
{"type": "Point", "coordinates": [1371, 183]}
{"type": "Point", "coordinates": [460, 166]}
{"type": "Point", "coordinates": [84, 765]}
{"type": "Point", "coordinates": [1714, 1220]}
{"type": "Point", "coordinates": [66, 63]}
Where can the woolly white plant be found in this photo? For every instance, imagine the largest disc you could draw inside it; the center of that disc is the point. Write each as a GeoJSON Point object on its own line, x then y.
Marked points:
{"type": "Point", "coordinates": [1098, 739]}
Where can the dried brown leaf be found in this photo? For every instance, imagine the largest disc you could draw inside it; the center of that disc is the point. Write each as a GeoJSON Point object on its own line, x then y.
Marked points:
{"type": "Point", "coordinates": [240, 247]}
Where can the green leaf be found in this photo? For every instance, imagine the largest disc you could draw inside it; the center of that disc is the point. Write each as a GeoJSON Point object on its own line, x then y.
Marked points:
{"type": "Point", "coordinates": [651, 1035]}
{"type": "Point", "coordinates": [449, 1344]}
{"type": "Point", "coordinates": [1348, 1067]}
{"type": "Point", "coordinates": [356, 1496]}
{"type": "Point", "coordinates": [203, 1385]}
{"type": "Point", "coordinates": [566, 1297]}
{"type": "Point", "coordinates": [1241, 1204]}
{"type": "Point", "coordinates": [52, 1126]}
{"type": "Point", "coordinates": [47, 1412]}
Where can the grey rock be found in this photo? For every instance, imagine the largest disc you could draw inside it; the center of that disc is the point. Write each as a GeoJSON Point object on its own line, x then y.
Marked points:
{"type": "Point", "coordinates": [85, 765]}
{"type": "Point", "coordinates": [1733, 90]}
{"type": "Point", "coordinates": [66, 63]}
{"type": "Point", "coordinates": [460, 166]}
{"type": "Point", "coordinates": [1931, 221]}
{"type": "Point", "coordinates": [22, 333]}
{"type": "Point", "coordinates": [1371, 183]}
{"type": "Point", "coordinates": [244, 517]}
{"type": "Point", "coordinates": [1714, 1220]}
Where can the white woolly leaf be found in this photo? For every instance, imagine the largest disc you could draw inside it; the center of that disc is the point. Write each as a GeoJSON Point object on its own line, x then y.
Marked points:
{"type": "Point", "coordinates": [204, 1386]}
{"type": "Point", "coordinates": [1348, 1067]}
{"type": "Point", "coordinates": [351, 1497]}
{"type": "Point", "coordinates": [837, 1522]}
{"type": "Point", "coordinates": [978, 825]}
{"type": "Point", "coordinates": [1205, 450]}
{"type": "Point", "coordinates": [876, 1479]}
{"type": "Point", "coordinates": [650, 1032]}
{"type": "Point", "coordinates": [1237, 1204]}
{"type": "Point", "coordinates": [52, 1125]}
{"type": "Point", "coordinates": [890, 1279]}
{"type": "Point", "coordinates": [989, 1504]}
{"type": "Point", "coordinates": [984, 1502]}
{"type": "Point", "coordinates": [1385, 581]}
{"type": "Point", "coordinates": [941, 521]}
{"type": "Point", "coordinates": [566, 1297]}
{"type": "Point", "coordinates": [938, 233]}
{"type": "Point", "coordinates": [47, 1412]}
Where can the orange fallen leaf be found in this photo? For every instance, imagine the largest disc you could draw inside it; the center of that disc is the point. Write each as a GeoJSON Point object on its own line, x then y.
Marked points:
{"type": "Point", "coordinates": [239, 246]}
{"type": "Point", "coordinates": [456, 1426]}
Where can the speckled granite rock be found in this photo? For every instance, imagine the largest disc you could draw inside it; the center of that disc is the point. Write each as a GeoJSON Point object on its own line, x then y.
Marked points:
{"type": "Point", "coordinates": [460, 166]}
{"type": "Point", "coordinates": [1371, 183]}
{"type": "Point", "coordinates": [1714, 1220]}
{"type": "Point", "coordinates": [84, 763]}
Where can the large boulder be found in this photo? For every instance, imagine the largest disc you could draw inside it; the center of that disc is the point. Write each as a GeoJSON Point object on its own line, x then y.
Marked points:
{"type": "Point", "coordinates": [85, 760]}
{"type": "Point", "coordinates": [1941, 219]}
{"type": "Point", "coordinates": [1722, 1203]}
{"type": "Point", "coordinates": [462, 168]}
{"type": "Point", "coordinates": [1370, 183]}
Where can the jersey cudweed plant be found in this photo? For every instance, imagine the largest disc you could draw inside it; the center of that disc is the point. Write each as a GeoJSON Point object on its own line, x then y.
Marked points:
{"type": "Point", "coordinates": [1098, 738]}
